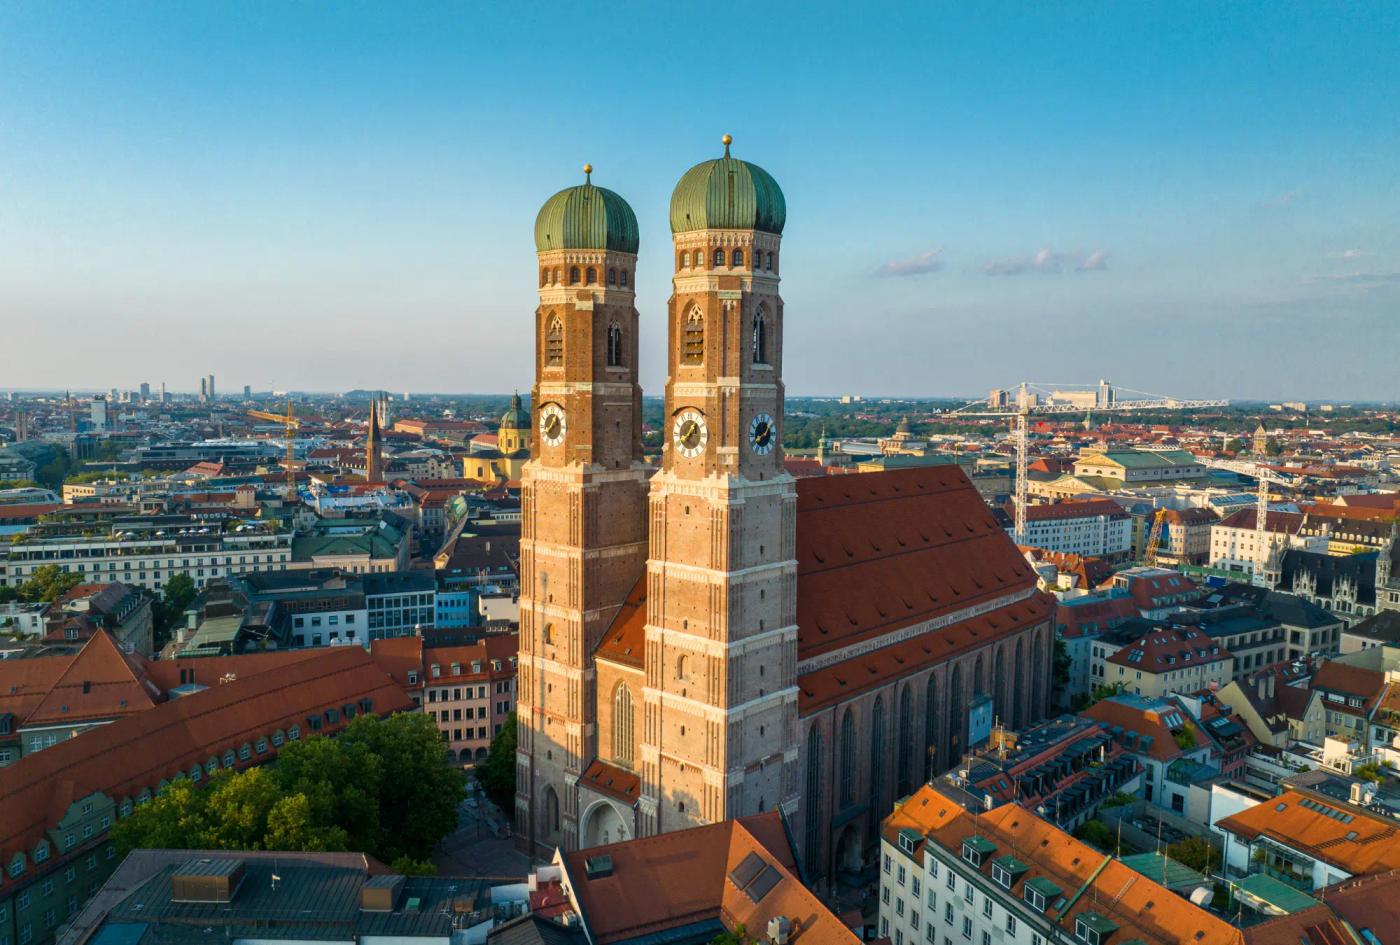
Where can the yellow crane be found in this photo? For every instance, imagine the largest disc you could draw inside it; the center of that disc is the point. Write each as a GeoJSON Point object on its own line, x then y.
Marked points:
{"type": "Point", "coordinates": [1154, 537]}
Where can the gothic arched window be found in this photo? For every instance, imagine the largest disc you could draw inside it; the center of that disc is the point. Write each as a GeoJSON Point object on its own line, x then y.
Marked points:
{"type": "Point", "coordinates": [614, 345]}
{"type": "Point", "coordinates": [877, 758]}
{"type": "Point", "coordinates": [592, 276]}
{"type": "Point", "coordinates": [848, 759]}
{"type": "Point", "coordinates": [573, 275]}
{"type": "Point", "coordinates": [554, 342]}
{"type": "Point", "coordinates": [769, 263]}
{"type": "Point", "coordinates": [813, 795]}
{"type": "Point", "coordinates": [906, 741]}
{"type": "Point", "coordinates": [622, 724]}
{"type": "Point", "coordinates": [737, 260]}
{"type": "Point", "coordinates": [612, 277]}
{"type": "Point", "coordinates": [683, 668]}
{"type": "Point", "coordinates": [551, 810]}
{"type": "Point", "coordinates": [760, 337]}
{"type": "Point", "coordinates": [623, 275]}
{"type": "Point", "coordinates": [693, 338]}
{"type": "Point", "coordinates": [719, 258]}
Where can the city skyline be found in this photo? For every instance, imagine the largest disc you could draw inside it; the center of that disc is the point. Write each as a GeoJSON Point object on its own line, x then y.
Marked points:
{"type": "Point", "coordinates": [1181, 205]}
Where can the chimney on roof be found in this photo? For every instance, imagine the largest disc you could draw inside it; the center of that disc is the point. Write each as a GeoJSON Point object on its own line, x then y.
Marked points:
{"type": "Point", "coordinates": [379, 893]}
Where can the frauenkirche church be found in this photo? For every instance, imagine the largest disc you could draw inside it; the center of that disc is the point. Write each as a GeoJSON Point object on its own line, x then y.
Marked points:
{"type": "Point", "coordinates": [713, 638]}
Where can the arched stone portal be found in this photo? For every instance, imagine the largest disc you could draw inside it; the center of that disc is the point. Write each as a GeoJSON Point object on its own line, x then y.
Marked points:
{"type": "Point", "coordinates": [849, 856]}
{"type": "Point", "coordinates": [602, 823]}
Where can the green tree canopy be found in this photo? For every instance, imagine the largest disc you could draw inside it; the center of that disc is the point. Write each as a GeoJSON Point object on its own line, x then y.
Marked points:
{"type": "Point", "coordinates": [497, 774]}
{"type": "Point", "coordinates": [1196, 853]}
{"type": "Point", "coordinates": [48, 583]}
{"type": "Point", "coordinates": [384, 787]}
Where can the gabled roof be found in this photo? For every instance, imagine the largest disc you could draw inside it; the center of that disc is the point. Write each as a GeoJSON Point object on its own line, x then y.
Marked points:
{"type": "Point", "coordinates": [1336, 676]}
{"type": "Point", "coordinates": [1275, 522]}
{"type": "Point", "coordinates": [877, 552]}
{"type": "Point", "coordinates": [1089, 882]}
{"type": "Point", "coordinates": [1170, 649]}
{"type": "Point", "coordinates": [1148, 718]}
{"type": "Point", "coordinates": [137, 752]}
{"type": "Point", "coordinates": [880, 551]}
{"type": "Point", "coordinates": [100, 682]}
{"type": "Point", "coordinates": [688, 877]}
{"type": "Point", "coordinates": [1341, 835]}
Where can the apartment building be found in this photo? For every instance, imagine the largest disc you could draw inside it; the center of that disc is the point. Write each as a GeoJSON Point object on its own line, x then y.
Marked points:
{"type": "Point", "coordinates": [1099, 528]}
{"type": "Point", "coordinates": [148, 550]}
{"type": "Point", "coordinates": [950, 876]}
{"type": "Point", "coordinates": [468, 690]}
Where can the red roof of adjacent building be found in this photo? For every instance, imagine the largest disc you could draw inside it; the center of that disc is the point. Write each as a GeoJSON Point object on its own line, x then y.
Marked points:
{"type": "Point", "coordinates": [1147, 720]}
{"type": "Point", "coordinates": [136, 753]}
{"type": "Point", "coordinates": [1274, 521]}
{"type": "Point", "coordinates": [1170, 649]}
{"type": "Point", "coordinates": [1341, 835]}
{"type": "Point", "coordinates": [1091, 881]}
{"type": "Point", "coordinates": [1102, 612]}
{"type": "Point", "coordinates": [675, 879]}
{"type": "Point", "coordinates": [1073, 508]}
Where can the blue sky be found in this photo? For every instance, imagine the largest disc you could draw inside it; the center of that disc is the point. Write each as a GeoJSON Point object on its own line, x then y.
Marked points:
{"type": "Point", "coordinates": [1189, 198]}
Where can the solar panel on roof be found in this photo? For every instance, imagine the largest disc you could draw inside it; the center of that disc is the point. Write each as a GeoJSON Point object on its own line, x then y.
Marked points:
{"type": "Point", "coordinates": [764, 884]}
{"type": "Point", "coordinates": [747, 869]}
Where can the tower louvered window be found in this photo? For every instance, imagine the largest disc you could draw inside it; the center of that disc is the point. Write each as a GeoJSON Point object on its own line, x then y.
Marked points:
{"type": "Point", "coordinates": [760, 337]}
{"type": "Point", "coordinates": [614, 345]}
{"type": "Point", "coordinates": [554, 343]}
{"type": "Point", "coordinates": [693, 341]}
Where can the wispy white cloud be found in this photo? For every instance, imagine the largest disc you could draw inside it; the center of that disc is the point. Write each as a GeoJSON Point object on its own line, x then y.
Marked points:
{"type": "Point", "coordinates": [1285, 199]}
{"type": "Point", "coordinates": [1048, 261]}
{"type": "Point", "coordinates": [1348, 254]}
{"type": "Point", "coordinates": [1361, 279]}
{"type": "Point", "coordinates": [931, 261]}
{"type": "Point", "coordinates": [1094, 262]}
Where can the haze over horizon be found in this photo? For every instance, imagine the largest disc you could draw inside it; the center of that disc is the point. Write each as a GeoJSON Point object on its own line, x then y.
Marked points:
{"type": "Point", "coordinates": [1199, 202]}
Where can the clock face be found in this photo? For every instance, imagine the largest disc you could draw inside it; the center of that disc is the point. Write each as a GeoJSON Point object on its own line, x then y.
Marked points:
{"type": "Point", "coordinates": [552, 424]}
{"type": "Point", "coordinates": [761, 434]}
{"type": "Point", "coordinates": [689, 433]}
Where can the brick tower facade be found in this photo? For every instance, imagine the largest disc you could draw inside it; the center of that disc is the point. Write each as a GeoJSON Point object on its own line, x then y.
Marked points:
{"type": "Point", "coordinates": [719, 733]}
{"type": "Point", "coordinates": [583, 496]}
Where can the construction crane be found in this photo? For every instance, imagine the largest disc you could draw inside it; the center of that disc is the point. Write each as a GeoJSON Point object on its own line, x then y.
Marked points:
{"type": "Point", "coordinates": [1154, 537]}
{"type": "Point", "coordinates": [289, 433]}
{"type": "Point", "coordinates": [1034, 397]}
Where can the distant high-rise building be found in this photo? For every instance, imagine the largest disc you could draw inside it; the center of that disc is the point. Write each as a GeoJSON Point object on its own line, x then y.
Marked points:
{"type": "Point", "coordinates": [247, 391]}
{"type": "Point", "coordinates": [164, 397]}
{"type": "Point", "coordinates": [99, 413]}
{"type": "Point", "coordinates": [204, 388]}
{"type": "Point", "coordinates": [212, 395]}
{"type": "Point", "coordinates": [145, 392]}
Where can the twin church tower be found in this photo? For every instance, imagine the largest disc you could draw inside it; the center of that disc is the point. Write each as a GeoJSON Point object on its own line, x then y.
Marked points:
{"type": "Point", "coordinates": [658, 638]}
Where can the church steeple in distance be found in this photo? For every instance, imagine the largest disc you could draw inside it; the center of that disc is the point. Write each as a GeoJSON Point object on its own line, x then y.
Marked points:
{"type": "Point", "coordinates": [374, 451]}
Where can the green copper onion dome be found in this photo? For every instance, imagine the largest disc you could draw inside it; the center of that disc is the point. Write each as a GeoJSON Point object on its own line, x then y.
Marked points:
{"type": "Point", "coordinates": [515, 418]}
{"type": "Point", "coordinates": [728, 194]}
{"type": "Point", "coordinates": [586, 217]}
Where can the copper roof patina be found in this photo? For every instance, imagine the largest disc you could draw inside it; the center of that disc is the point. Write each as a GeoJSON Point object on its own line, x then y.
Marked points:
{"type": "Point", "coordinates": [586, 217]}
{"type": "Point", "coordinates": [728, 194]}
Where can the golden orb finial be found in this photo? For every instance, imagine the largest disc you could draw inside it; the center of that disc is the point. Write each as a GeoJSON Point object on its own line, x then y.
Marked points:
{"type": "Point", "coordinates": [727, 140]}
{"type": "Point", "coordinates": [587, 169]}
